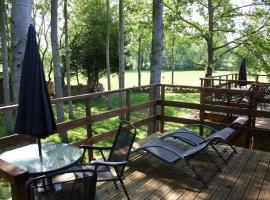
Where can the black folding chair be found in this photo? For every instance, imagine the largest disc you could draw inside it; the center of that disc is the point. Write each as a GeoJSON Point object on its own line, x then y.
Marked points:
{"type": "Point", "coordinates": [224, 136]}
{"type": "Point", "coordinates": [76, 183]}
{"type": "Point", "coordinates": [170, 153]}
{"type": "Point", "coordinates": [118, 157]}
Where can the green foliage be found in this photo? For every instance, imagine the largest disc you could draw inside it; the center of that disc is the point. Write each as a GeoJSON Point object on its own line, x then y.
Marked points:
{"type": "Point", "coordinates": [88, 33]}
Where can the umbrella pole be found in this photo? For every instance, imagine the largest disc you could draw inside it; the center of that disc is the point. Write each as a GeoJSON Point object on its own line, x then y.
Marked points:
{"type": "Point", "coordinates": [39, 148]}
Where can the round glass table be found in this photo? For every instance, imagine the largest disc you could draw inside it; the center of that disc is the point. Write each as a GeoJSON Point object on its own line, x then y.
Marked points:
{"type": "Point", "coordinates": [55, 156]}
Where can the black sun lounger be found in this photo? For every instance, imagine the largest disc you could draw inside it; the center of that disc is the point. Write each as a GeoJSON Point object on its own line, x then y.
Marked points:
{"type": "Point", "coordinates": [224, 136]}
{"type": "Point", "coordinates": [169, 153]}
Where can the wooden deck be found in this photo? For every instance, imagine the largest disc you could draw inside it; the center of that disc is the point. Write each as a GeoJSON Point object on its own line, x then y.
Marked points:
{"type": "Point", "coordinates": [247, 176]}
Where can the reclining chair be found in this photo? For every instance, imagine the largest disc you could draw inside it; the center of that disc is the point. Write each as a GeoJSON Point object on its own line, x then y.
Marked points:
{"type": "Point", "coordinates": [226, 135]}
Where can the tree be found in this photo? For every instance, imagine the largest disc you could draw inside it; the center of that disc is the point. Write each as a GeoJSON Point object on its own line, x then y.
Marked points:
{"type": "Point", "coordinates": [121, 53]}
{"type": "Point", "coordinates": [156, 53]}
{"type": "Point", "coordinates": [217, 19]}
{"type": "Point", "coordinates": [57, 65]}
{"type": "Point", "coordinates": [89, 58]}
{"type": "Point", "coordinates": [138, 28]}
{"type": "Point", "coordinates": [157, 43]}
{"type": "Point", "coordinates": [20, 21]}
{"type": "Point", "coordinates": [108, 68]}
{"type": "Point", "coordinates": [6, 89]}
{"type": "Point", "coordinates": [70, 109]}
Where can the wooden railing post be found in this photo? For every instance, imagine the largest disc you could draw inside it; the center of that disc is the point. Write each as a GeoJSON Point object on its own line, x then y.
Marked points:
{"type": "Point", "coordinates": [257, 78]}
{"type": "Point", "coordinates": [202, 109]}
{"type": "Point", "coordinates": [162, 98]}
{"type": "Point", "coordinates": [128, 105]}
{"type": "Point", "coordinates": [17, 178]}
{"type": "Point", "coordinates": [89, 125]}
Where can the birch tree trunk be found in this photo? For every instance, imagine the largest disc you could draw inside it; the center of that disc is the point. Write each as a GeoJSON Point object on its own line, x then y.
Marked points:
{"type": "Point", "coordinates": [173, 60]}
{"type": "Point", "coordinates": [156, 56]}
{"type": "Point", "coordinates": [70, 109]}
{"type": "Point", "coordinates": [57, 65]}
{"type": "Point", "coordinates": [157, 42]}
{"type": "Point", "coordinates": [20, 21]}
{"type": "Point", "coordinates": [6, 89]}
{"type": "Point", "coordinates": [139, 59]}
{"type": "Point", "coordinates": [210, 48]}
{"type": "Point", "coordinates": [108, 68]}
{"type": "Point", "coordinates": [121, 53]}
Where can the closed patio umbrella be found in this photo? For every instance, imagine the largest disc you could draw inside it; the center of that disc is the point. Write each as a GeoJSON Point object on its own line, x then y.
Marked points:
{"type": "Point", "coordinates": [35, 116]}
{"type": "Point", "coordinates": [243, 72]}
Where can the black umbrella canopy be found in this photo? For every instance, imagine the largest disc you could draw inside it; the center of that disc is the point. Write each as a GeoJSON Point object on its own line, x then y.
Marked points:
{"type": "Point", "coordinates": [35, 116]}
{"type": "Point", "coordinates": [242, 72]}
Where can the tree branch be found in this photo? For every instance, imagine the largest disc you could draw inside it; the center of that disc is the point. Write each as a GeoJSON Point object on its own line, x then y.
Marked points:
{"type": "Point", "coordinates": [228, 50]}
{"type": "Point", "coordinates": [237, 39]}
{"type": "Point", "coordinates": [224, 14]}
{"type": "Point", "coordinates": [195, 26]}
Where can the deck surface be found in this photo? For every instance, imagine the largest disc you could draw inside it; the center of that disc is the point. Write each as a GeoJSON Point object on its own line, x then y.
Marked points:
{"type": "Point", "coordinates": [247, 176]}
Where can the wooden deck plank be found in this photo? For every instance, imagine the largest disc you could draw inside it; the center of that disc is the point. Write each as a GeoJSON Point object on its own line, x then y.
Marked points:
{"type": "Point", "coordinates": [241, 184]}
{"type": "Point", "coordinates": [190, 194]}
{"type": "Point", "coordinates": [256, 182]}
{"type": "Point", "coordinates": [247, 175]}
{"type": "Point", "coordinates": [232, 177]}
{"type": "Point", "coordinates": [265, 189]}
{"type": "Point", "coordinates": [138, 177]}
{"type": "Point", "coordinates": [129, 171]}
{"type": "Point", "coordinates": [217, 181]}
{"type": "Point", "coordinates": [180, 180]}
{"type": "Point", "coordinates": [149, 189]}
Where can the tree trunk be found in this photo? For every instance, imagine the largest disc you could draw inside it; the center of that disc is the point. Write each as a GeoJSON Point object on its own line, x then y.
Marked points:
{"type": "Point", "coordinates": [20, 21]}
{"type": "Point", "coordinates": [108, 68]}
{"type": "Point", "coordinates": [156, 54]}
{"type": "Point", "coordinates": [6, 89]}
{"type": "Point", "coordinates": [121, 55]}
{"type": "Point", "coordinates": [70, 108]}
{"type": "Point", "coordinates": [157, 43]}
{"type": "Point", "coordinates": [172, 59]}
{"type": "Point", "coordinates": [139, 59]}
{"type": "Point", "coordinates": [210, 49]}
{"type": "Point", "coordinates": [57, 65]}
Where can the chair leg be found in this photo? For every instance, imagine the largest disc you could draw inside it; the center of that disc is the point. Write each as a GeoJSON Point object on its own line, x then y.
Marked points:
{"type": "Point", "coordinates": [212, 161]}
{"type": "Point", "coordinates": [233, 148]}
{"type": "Point", "coordinates": [123, 186]}
{"type": "Point", "coordinates": [196, 173]}
{"type": "Point", "coordinates": [219, 154]}
{"type": "Point", "coordinates": [114, 182]}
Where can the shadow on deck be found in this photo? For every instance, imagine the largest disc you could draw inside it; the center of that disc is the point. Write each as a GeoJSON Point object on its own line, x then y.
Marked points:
{"type": "Point", "coordinates": [245, 177]}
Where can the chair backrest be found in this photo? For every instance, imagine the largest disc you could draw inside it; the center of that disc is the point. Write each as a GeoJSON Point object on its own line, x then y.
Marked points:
{"type": "Point", "coordinates": [76, 183]}
{"type": "Point", "coordinates": [122, 144]}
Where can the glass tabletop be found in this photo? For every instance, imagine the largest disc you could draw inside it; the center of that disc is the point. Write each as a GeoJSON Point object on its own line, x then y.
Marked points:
{"type": "Point", "coordinates": [55, 156]}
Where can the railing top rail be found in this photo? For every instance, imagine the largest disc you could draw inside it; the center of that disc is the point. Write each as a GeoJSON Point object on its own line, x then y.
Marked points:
{"type": "Point", "coordinates": [224, 75]}
{"type": "Point", "coordinates": [99, 94]}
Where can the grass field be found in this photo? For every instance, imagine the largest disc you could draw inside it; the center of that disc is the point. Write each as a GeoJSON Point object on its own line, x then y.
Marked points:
{"type": "Point", "coordinates": [180, 77]}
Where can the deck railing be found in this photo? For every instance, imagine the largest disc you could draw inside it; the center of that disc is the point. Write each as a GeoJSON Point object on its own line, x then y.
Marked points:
{"type": "Point", "coordinates": [219, 112]}
{"type": "Point", "coordinates": [229, 79]}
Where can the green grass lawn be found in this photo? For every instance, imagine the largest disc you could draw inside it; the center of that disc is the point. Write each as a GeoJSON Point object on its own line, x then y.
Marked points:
{"type": "Point", "coordinates": [180, 77]}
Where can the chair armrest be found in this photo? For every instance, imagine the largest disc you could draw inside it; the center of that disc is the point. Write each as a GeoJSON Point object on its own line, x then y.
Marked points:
{"type": "Point", "coordinates": [113, 164]}
{"type": "Point", "coordinates": [88, 147]}
{"type": "Point", "coordinates": [94, 147]}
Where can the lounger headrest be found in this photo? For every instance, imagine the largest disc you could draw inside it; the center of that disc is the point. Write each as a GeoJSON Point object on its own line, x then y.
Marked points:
{"type": "Point", "coordinates": [241, 120]}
